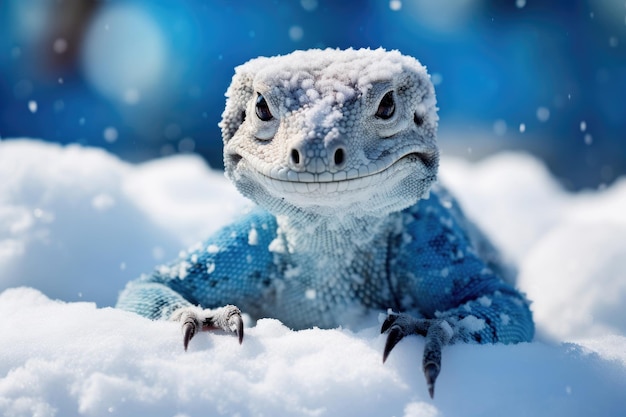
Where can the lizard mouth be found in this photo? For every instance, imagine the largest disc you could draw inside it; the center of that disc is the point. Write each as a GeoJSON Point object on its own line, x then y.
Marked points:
{"type": "Point", "coordinates": [283, 179]}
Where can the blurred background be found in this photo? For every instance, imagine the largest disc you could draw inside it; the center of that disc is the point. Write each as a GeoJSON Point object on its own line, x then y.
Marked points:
{"type": "Point", "coordinates": [146, 78]}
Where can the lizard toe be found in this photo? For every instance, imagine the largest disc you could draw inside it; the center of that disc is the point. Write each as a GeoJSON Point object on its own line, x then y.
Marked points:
{"type": "Point", "coordinates": [189, 328]}
{"type": "Point", "coordinates": [389, 321]}
{"type": "Point", "coordinates": [431, 371]}
{"type": "Point", "coordinates": [395, 335]}
{"type": "Point", "coordinates": [237, 325]}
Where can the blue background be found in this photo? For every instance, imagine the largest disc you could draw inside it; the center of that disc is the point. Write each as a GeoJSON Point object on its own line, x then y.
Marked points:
{"type": "Point", "coordinates": [147, 78]}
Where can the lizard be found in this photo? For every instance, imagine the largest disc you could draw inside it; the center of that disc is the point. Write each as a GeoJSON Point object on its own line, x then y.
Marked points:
{"type": "Point", "coordinates": [338, 151]}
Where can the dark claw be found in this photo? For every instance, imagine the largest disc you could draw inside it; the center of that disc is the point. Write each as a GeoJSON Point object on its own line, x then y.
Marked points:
{"type": "Point", "coordinates": [239, 329]}
{"type": "Point", "coordinates": [189, 330]}
{"type": "Point", "coordinates": [395, 335]}
{"type": "Point", "coordinates": [231, 321]}
{"type": "Point", "coordinates": [431, 371]}
{"type": "Point", "coordinates": [389, 321]}
{"type": "Point", "coordinates": [436, 338]}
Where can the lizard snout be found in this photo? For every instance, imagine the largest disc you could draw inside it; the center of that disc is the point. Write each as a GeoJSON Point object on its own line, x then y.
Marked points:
{"type": "Point", "coordinates": [317, 157]}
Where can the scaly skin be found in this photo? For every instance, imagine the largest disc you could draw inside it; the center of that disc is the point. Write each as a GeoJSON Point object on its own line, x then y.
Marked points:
{"type": "Point", "coordinates": [338, 150]}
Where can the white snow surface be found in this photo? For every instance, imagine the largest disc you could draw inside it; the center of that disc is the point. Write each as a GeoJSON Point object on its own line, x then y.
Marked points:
{"type": "Point", "coordinates": [77, 223]}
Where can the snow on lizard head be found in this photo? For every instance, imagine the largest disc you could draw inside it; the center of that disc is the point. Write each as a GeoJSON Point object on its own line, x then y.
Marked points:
{"type": "Point", "coordinates": [302, 129]}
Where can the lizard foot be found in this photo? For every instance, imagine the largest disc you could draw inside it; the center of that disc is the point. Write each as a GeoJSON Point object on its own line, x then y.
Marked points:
{"type": "Point", "coordinates": [437, 332]}
{"type": "Point", "coordinates": [195, 319]}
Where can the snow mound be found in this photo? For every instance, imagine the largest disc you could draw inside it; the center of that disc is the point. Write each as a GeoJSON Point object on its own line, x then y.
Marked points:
{"type": "Point", "coordinates": [125, 365]}
{"type": "Point", "coordinates": [77, 223]}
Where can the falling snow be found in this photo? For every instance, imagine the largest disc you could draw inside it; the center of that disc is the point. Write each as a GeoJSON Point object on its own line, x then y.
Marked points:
{"type": "Point", "coordinates": [395, 5]}
{"type": "Point", "coordinates": [309, 5]}
{"type": "Point", "coordinates": [499, 127]}
{"type": "Point", "coordinates": [59, 46]}
{"type": "Point", "coordinates": [110, 134]}
{"type": "Point", "coordinates": [296, 33]}
{"type": "Point", "coordinates": [543, 114]}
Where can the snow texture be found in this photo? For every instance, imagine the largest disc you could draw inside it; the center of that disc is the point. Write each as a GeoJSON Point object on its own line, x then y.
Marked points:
{"type": "Point", "coordinates": [78, 223]}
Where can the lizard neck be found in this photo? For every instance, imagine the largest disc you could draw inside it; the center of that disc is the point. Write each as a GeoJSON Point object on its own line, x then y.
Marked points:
{"type": "Point", "coordinates": [332, 236]}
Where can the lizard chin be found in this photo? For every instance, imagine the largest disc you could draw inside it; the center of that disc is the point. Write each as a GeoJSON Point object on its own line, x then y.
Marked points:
{"type": "Point", "coordinates": [391, 189]}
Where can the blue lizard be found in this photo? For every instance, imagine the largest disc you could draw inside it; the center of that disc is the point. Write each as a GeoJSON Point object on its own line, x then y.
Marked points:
{"type": "Point", "coordinates": [338, 149]}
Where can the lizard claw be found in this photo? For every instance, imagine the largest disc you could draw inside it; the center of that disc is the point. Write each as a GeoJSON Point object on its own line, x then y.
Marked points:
{"type": "Point", "coordinates": [431, 371]}
{"type": "Point", "coordinates": [189, 330]}
{"type": "Point", "coordinates": [190, 323]}
{"type": "Point", "coordinates": [389, 321]}
{"type": "Point", "coordinates": [395, 335]}
{"type": "Point", "coordinates": [438, 335]}
{"type": "Point", "coordinates": [227, 318]}
{"type": "Point", "coordinates": [238, 324]}
{"type": "Point", "coordinates": [398, 326]}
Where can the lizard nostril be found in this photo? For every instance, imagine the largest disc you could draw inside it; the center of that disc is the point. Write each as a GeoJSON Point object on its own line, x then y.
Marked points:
{"type": "Point", "coordinates": [295, 157]}
{"type": "Point", "coordinates": [339, 156]}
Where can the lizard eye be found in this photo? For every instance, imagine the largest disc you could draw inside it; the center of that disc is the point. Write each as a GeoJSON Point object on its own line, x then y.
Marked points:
{"type": "Point", "coordinates": [262, 109]}
{"type": "Point", "coordinates": [387, 107]}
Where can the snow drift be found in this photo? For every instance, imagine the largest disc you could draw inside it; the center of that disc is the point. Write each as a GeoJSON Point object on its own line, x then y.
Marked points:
{"type": "Point", "coordinates": [77, 223]}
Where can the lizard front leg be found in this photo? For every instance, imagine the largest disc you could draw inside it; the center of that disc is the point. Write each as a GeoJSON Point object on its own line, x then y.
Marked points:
{"type": "Point", "coordinates": [438, 333]}
{"type": "Point", "coordinates": [230, 269]}
{"type": "Point", "coordinates": [195, 319]}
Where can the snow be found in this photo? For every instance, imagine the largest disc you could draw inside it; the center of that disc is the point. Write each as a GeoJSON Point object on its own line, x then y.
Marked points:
{"type": "Point", "coordinates": [77, 223]}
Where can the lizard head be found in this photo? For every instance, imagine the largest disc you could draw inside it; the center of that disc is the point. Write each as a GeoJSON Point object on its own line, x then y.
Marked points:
{"type": "Point", "coordinates": [331, 132]}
